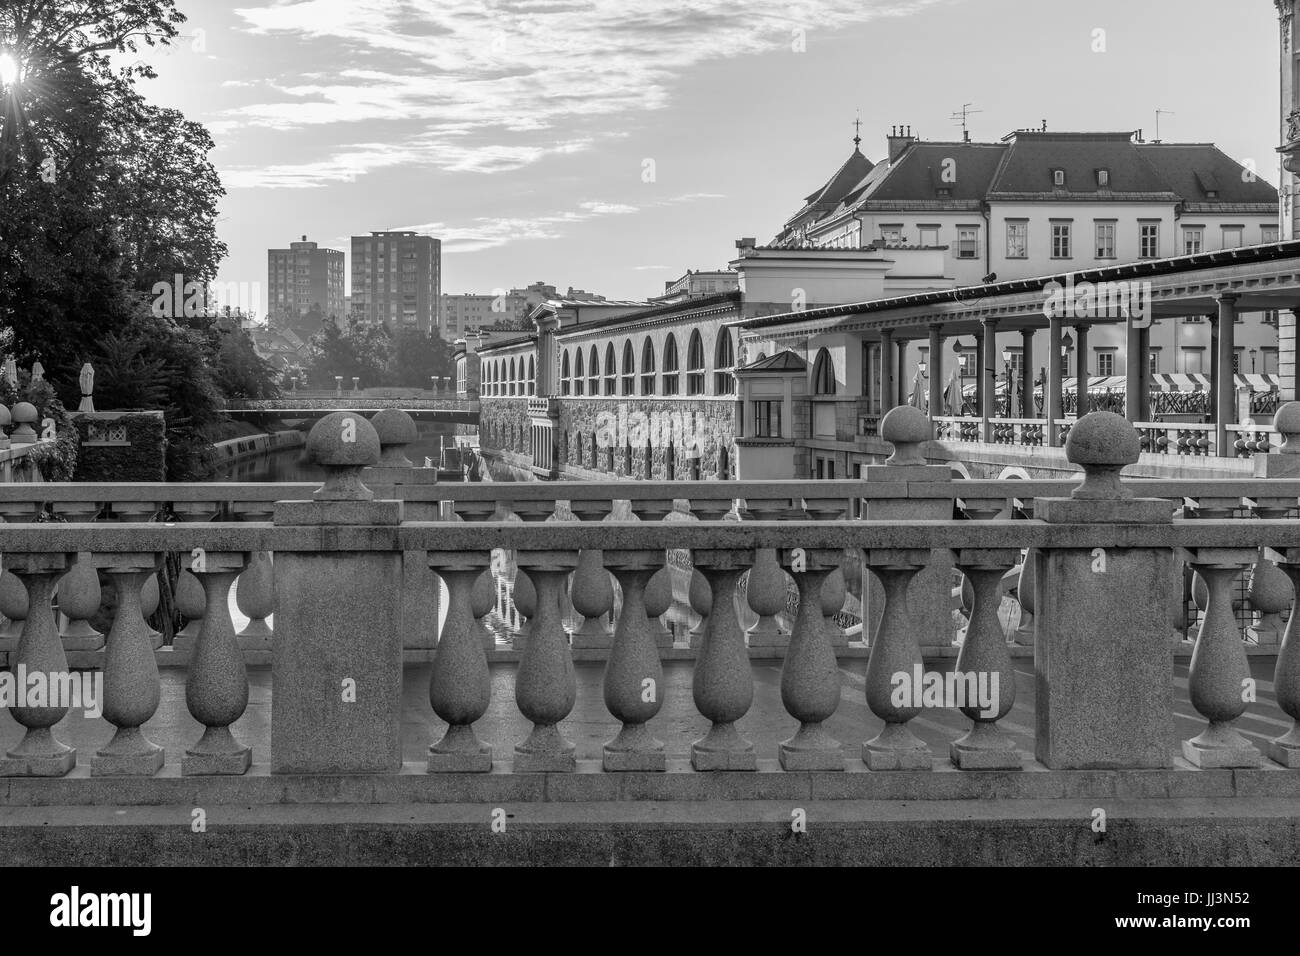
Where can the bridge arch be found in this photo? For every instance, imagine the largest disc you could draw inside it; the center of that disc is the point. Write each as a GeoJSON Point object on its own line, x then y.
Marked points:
{"type": "Point", "coordinates": [959, 470]}
{"type": "Point", "coordinates": [1013, 473]}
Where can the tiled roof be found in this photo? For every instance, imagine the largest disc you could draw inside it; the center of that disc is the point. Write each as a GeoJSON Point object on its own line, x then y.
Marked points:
{"type": "Point", "coordinates": [786, 361]}
{"type": "Point", "coordinates": [918, 173]}
{"type": "Point", "coordinates": [1192, 170]}
{"type": "Point", "coordinates": [1032, 157]}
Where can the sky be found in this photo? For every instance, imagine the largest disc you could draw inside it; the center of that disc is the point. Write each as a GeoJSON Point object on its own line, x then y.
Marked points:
{"type": "Point", "coordinates": [611, 145]}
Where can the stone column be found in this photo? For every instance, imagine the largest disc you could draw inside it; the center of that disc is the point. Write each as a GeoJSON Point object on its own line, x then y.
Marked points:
{"type": "Point", "coordinates": [1083, 401]}
{"type": "Point", "coordinates": [1027, 374]}
{"type": "Point", "coordinates": [909, 430]}
{"type": "Point", "coordinates": [1133, 362]}
{"type": "Point", "coordinates": [936, 370]}
{"type": "Point", "coordinates": [1144, 376]}
{"type": "Point", "coordinates": [886, 370]}
{"type": "Point", "coordinates": [337, 654]}
{"type": "Point", "coordinates": [1286, 675]}
{"type": "Point", "coordinates": [1054, 386]}
{"type": "Point", "coordinates": [989, 376]}
{"type": "Point", "coordinates": [1225, 399]}
{"type": "Point", "coordinates": [901, 384]}
{"type": "Point", "coordinates": [1102, 650]}
{"type": "Point", "coordinates": [1213, 404]}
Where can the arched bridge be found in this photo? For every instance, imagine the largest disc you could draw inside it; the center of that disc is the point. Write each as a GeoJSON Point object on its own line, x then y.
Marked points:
{"type": "Point", "coordinates": [451, 410]}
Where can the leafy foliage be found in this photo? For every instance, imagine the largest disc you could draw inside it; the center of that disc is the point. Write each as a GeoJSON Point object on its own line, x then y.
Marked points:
{"type": "Point", "coordinates": [375, 357]}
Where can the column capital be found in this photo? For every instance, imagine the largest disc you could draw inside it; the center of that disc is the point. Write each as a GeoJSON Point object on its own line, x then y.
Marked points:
{"type": "Point", "coordinates": [1227, 297]}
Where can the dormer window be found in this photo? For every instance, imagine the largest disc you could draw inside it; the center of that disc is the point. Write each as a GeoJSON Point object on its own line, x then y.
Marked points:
{"type": "Point", "coordinates": [1103, 178]}
{"type": "Point", "coordinates": [1211, 194]}
{"type": "Point", "coordinates": [1058, 178]}
{"type": "Point", "coordinates": [944, 192]}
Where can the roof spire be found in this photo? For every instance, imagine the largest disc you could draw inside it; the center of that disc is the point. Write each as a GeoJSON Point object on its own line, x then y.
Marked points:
{"type": "Point", "coordinates": [857, 131]}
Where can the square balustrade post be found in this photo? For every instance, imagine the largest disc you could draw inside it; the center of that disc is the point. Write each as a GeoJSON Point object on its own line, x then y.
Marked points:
{"type": "Point", "coordinates": [420, 586]}
{"type": "Point", "coordinates": [1103, 656]}
{"type": "Point", "coordinates": [337, 656]}
{"type": "Point", "coordinates": [929, 594]}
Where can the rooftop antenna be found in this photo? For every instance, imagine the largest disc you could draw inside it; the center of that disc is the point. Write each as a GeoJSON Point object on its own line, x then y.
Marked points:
{"type": "Point", "coordinates": [1159, 113]}
{"type": "Point", "coordinates": [964, 118]}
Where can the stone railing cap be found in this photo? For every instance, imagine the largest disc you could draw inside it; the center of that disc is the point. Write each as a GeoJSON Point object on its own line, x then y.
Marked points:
{"type": "Point", "coordinates": [907, 429]}
{"type": "Point", "coordinates": [1104, 439]}
{"type": "Point", "coordinates": [326, 444]}
{"type": "Point", "coordinates": [394, 427]}
{"type": "Point", "coordinates": [1287, 423]}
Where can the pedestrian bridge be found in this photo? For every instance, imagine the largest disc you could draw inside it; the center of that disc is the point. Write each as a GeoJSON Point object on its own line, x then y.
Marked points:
{"type": "Point", "coordinates": [458, 411]}
{"type": "Point", "coordinates": [691, 750]}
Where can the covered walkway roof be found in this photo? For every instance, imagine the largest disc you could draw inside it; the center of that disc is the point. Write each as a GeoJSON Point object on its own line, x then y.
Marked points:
{"type": "Point", "coordinates": [1263, 277]}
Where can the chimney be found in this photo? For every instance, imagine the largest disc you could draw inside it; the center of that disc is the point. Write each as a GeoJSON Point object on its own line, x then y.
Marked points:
{"type": "Point", "coordinates": [899, 139]}
{"type": "Point", "coordinates": [746, 246]}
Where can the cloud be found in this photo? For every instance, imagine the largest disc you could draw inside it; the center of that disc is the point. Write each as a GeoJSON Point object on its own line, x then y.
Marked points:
{"type": "Point", "coordinates": [490, 232]}
{"type": "Point", "coordinates": [489, 82]}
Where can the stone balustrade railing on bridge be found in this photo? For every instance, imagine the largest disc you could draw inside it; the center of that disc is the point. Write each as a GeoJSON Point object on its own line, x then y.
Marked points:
{"type": "Point", "coordinates": [1102, 559]}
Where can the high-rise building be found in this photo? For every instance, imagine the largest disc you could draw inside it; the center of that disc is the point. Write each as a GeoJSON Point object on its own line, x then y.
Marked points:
{"type": "Point", "coordinates": [397, 280]}
{"type": "Point", "coordinates": [462, 313]}
{"type": "Point", "coordinates": [301, 279]}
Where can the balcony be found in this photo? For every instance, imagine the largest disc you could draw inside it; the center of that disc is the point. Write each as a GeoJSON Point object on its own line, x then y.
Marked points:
{"type": "Point", "coordinates": [690, 757]}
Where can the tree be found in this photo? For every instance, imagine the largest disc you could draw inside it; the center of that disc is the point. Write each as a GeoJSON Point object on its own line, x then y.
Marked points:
{"type": "Point", "coordinates": [362, 350]}
{"type": "Point", "coordinates": [417, 357]}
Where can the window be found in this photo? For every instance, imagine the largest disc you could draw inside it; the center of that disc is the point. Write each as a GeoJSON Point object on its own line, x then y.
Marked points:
{"type": "Point", "coordinates": [1105, 364]}
{"type": "Point", "coordinates": [1058, 178]}
{"type": "Point", "coordinates": [1061, 241]}
{"type": "Point", "coordinates": [532, 376]}
{"type": "Point", "coordinates": [579, 385]}
{"type": "Point", "coordinates": [593, 370]}
{"type": "Point", "coordinates": [823, 374]}
{"type": "Point", "coordinates": [724, 383]}
{"type": "Point", "coordinates": [767, 419]}
{"type": "Point", "coordinates": [1269, 234]}
{"type": "Point", "coordinates": [1236, 362]}
{"type": "Point", "coordinates": [1017, 240]}
{"type": "Point", "coordinates": [670, 365]}
{"type": "Point", "coordinates": [1105, 240]}
{"type": "Point", "coordinates": [611, 370]}
{"type": "Point", "coordinates": [929, 235]}
{"type": "Point", "coordinates": [695, 365]}
{"type": "Point", "coordinates": [1193, 241]}
{"type": "Point", "coordinates": [1103, 178]}
{"type": "Point", "coordinates": [512, 377]}
{"type": "Point", "coordinates": [891, 235]}
{"type": "Point", "coordinates": [648, 368]}
{"type": "Point", "coordinates": [1153, 361]}
{"type": "Point", "coordinates": [628, 380]}
{"type": "Point", "coordinates": [1149, 240]}
{"type": "Point", "coordinates": [968, 242]}
{"type": "Point", "coordinates": [564, 375]}
{"type": "Point", "coordinates": [1232, 237]}
{"type": "Point", "coordinates": [966, 362]}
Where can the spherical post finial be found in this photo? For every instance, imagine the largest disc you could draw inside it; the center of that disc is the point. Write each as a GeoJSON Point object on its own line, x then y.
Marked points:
{"type": "Point", "coordinates": [1102, 443]}
{"type": "Point", "coordinates": [396, 430]}
{"type": "Point", "coordinates": [1287, 423]}
{"type": "Point", "coordinates": [343, 443]}
{"type": "Point", "coordinates": [907, 429]}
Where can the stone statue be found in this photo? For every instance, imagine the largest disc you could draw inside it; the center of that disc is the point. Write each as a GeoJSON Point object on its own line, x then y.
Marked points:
{"type": "Point", "coordinates": [87, 381]}
{"type": "Point", "coordinates": [38, 372]}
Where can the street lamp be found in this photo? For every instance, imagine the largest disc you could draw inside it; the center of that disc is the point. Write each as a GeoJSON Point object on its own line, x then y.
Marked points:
{"type": "Point", "coordinates": [1006, 370]}
{"type": "Point", "coordinates": [1067, 346]}
{"type": "Point", "coordinates": [1252, 361]}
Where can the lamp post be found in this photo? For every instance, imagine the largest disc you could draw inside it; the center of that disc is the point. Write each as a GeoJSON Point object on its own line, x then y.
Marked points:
{"type": "Point", "coordinates": [1252, 361]}
{"type": "Point", "coordinates": [1006, 371]}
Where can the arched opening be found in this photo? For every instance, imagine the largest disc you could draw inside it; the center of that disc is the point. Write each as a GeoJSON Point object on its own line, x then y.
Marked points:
{"type": "Point", "coordinates": [724, 364]}
{"type": "Point", "coordinates": [627, 382]}
{"type": "Point", "coordinates": [670, 366]}
{"type": "Point", "coordinates": [593, 373]}
{"type": "Point", "coordinates": [824, 374]}
{"type": "Point", "coordinates": [565, 384]}
{"type": "Point", "coordinates": [649, 460]}
{"type": "Point", "coordinates": [532, 376]}
{"type": "Point", "coordinates": [724, 464]}
{"type": "Point", "coordinates": [579, 376]}
{"type": "Point", "coordinates": [648, 367]}
{"type": "Point", "coordinates": [512, 377]}
{"type": "Point", "coordinates": [627, 459]}
{"type": "Point", "coordinates": [611, 370]}
{"type": "Point", "coordinates": [695, 364]}
{"type": "Point", "coordinates": [595, 461]}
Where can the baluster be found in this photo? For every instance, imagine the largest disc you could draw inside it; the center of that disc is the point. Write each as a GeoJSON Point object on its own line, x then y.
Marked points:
{"type": "Point", "coordinates": [13, 605]}
{"type": "Point", "coordinates": [460, 686]}
{"type": "Point", "coordinates": [765, 595]}
{"type": "Point", "coordinates": [78, 596]}
{"type": "Point", "coordinates": [1286, 676]}
{"type": "Point", "coordinates": [592, 595]}
{"type": "Point", "coordinates": [894, 651]}
{"type": "Point", "coordinates": [810, 677]}
{"type": "Point", "coordinates": [525, 601]}
{"type": "Point", "coordinates": [216, 689]}
{"type": "Point", "coordinates": [658, 601]}
{"type": "Point", "coordinates": [834, 593]}
{"type": "Point", "coordinates": [723, 685]}
{"type": "Point", "coordinates": [1269, 593]}
{"type": "Point", "coordinates": [700, 596]}
{"type": "Point", "coordinates": [985, 661]}
{"type": "Point", "coordinates": [255, 598]}
{"type": "Point", "coordinates": [1220, 667]}
{"type": "Point", "coordinates": [545, 685]}
{"type": "Point", "coordinates": [482, 600]}
{"type": "Point", "coordinates": [39, 753]}
{"type": "Point", "coordinates": [634, 677]}
{"type": "Point", "coordinates": [1024, 636]}
{"type": "Point", "coordinates": [131, 686]}
{"type": "Point", "coordinates": [191, 603]}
